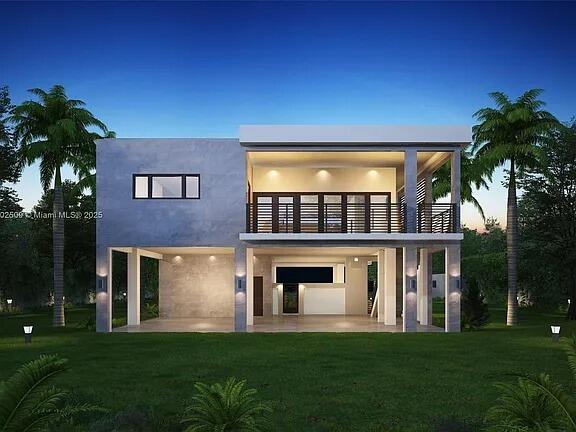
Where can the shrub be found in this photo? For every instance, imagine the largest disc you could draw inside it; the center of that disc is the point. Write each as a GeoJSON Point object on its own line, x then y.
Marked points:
{"type": "Point", "coordinates": [27, 403]}
{"type": "Point", "coordinates": [230, 407]}
{"type": "Point", "coordinates": [536, 404]}
{"type": "Point", "coordinates": [475, 312]}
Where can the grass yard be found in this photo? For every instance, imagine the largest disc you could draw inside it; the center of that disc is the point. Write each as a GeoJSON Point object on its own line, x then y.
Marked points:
{"type": "Point", "coordinates": [315, 382]}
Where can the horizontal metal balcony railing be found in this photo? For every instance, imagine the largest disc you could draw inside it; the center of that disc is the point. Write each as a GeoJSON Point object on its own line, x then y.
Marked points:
{"type": "Point", "coordinates": [325, 218]}
{"type": "Point", "coordinates": [346, 218]}
{"type": "Point", "coordinates": [436, 218]}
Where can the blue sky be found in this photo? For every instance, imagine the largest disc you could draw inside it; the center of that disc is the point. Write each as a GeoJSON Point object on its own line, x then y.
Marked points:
{"type": "Point", "coordinates": [200, 69]}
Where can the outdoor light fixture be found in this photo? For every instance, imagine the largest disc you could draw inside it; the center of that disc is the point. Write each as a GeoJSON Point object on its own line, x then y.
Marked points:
{"type": "Point", "coordinates": [9, 301]}
{"type": "Point", "coordinates": [355, 259]}
{"type": "Point", "coordinates": [28, 333]}
{"type": "Point", "coordinates": [555, 333]}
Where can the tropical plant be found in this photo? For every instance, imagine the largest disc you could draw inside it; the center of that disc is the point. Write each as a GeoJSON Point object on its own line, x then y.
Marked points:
{"type": "Point", "coordinates": [10, 168]}
{"type": "Point", "coordinates": [536, 403]}
{"type": "Point", "coordinates": [28, 404]}
{"type": "Point", "coordinates": [227, 407]}
{"type": "Point", "coordinates": [511, 133]}
{"type": "Point", "coordinates": [55, 131]}
{"type": "Point", "coordinates": [86, 166]}
{"type": "Point", "coordinates": [473, 175]}
{"type": "Point", "coordinates": [547, 212]}
{"type": "Point", "coordinates": [475, 312]}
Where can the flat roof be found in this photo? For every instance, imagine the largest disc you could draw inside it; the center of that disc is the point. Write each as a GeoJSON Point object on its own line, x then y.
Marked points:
{"type": "Point", "coordinates": [355, 134]}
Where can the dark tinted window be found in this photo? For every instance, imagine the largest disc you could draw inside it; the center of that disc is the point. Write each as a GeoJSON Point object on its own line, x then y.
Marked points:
{"type": "Point", "coordinates": [304, 275]}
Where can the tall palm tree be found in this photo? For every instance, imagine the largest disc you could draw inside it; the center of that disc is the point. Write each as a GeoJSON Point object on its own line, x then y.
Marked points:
{"type": "Point", "coordinates": [473, 174]}
{"type": "Point", "coordinates": [86, 166]}
{"type": "Point", "coordinates": [510, 134]}
{"type": "Point", "coordinates": [54, 131]}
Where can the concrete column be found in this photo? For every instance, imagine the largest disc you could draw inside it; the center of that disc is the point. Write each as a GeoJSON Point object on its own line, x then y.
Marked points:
{"type": "Point", "coordinates": [410, 187]}
{"type": "Point", "coordinates": [249, 286]}
{"type": "Point", "coordinates": [389, 286]}
{"type": "Point", "coordinates": [134, 287]}
{"type": "Point", "coordinates": [452, 289]}
{"type": "Point", "coordinates": [425, 287]}
{"type": "Point", "coordinates": [410, 301]}
{"type": "Point", "coordinates": [240, 289]}
{"type": "Point", "coordinates": [103, 289]}
{"type": "Point", "coordinates": [455, 186]}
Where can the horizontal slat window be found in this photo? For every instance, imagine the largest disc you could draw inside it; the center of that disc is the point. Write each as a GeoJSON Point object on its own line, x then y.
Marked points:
{"type": "Point", "coordinates": [166, 186]}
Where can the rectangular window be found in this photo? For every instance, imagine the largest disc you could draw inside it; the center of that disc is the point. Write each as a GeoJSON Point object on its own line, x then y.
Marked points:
{"type": "Point", "coordinates": [304, 275]}
{"type": "Point", "coordinates": [166, 186]}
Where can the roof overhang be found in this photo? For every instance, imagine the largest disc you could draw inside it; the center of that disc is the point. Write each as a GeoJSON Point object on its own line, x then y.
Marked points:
{"type": "Point", "coordinates": [355, 136]}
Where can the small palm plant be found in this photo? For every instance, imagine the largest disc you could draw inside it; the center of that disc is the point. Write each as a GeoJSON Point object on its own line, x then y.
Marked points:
{"type": "Point", "coordinates": [28, 404]}
{"type": "Point", "coordinates": [536, 404]}
{"type": "Point", "coordinates": [226, 408]}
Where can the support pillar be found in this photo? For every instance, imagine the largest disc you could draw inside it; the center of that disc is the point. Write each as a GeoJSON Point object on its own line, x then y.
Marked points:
{"type": "Point", "coordinates": [455, 187]}
{"type": "Point", "coordinates": [410, 188]}
{"type": "Point", "coordinates": [410, 300]}
{"type": "Point", "coordinates": [240, 288]}
{"type": "Point", "coordinates": [134, 287]}
{"type": "Point", "coordinates": [425, 287]}
{"type": "Point", "coordinates": [103, 289]}
{"type": "Point", "coordinates": [452, 289]}
{"type": "Point", "coordinates": [249, 286]}
{"type": "Point", "coordinates": [387, 286]}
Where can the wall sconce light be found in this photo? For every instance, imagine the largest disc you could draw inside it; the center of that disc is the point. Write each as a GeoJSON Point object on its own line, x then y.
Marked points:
{"type": "Point", "coordinates": [28, 334]}
{"type": "Point", "coordinates": [555, 333]}
{"type": "Point", "coordinates": [413, 284]}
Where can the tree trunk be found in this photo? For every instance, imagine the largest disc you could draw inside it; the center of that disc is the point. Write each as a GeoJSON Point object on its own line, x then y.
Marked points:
{"type": "Point", "coordinates": [512, 248]}
{"type": "Point", "coordinates": [58, 251]}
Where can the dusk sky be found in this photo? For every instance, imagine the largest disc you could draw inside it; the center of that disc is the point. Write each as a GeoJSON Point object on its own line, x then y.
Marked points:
{"type": "Point", "coordinates": [191, 69]}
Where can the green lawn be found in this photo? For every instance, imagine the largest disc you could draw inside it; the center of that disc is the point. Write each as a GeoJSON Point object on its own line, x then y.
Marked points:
{"type": "Point", "coordinates": [315, 382]}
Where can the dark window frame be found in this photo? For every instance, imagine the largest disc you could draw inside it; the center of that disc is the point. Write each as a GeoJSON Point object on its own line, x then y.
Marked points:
{"type": "Point", "coordinates": [149, 177]}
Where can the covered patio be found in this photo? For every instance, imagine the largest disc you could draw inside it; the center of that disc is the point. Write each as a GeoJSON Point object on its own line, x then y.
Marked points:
{"type": "Point", "coordinates": [274, 324]}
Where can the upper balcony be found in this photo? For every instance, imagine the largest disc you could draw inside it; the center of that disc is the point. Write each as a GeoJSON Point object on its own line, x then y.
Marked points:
{"type": "Point", "coordinates": [361, 182]}
{"type": "Point", "coordinates": [343, 213]}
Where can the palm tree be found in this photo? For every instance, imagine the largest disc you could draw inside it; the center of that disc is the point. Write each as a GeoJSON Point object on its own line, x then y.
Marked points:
{"type": "Point", "coordinates": [228, 407]}
{"type": "Point", "coordinates": [86, 166]}
{"type": "Point", "coordinates": [54, 130]}
{"type": "Point", "coordinates": [472, 174]}
{"type": "Point", "coordinates": [28, 404]}
{"type": "Point", "coordinates": [511, 133]}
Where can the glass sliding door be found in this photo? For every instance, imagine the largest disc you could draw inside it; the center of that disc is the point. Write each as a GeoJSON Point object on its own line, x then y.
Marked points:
{"type": "Point", "coordinates": [356, 213]}
{"type": "Point", "coordinates": [263, 214]}
{"type": "Point", "coordinates": [333, 213]}
{"type": "Point", "coordinates": [285, 218]}
{"type": "Point", "coordinates": [309, 213]}
{"type": "Point", "coordinates": [380, 217]}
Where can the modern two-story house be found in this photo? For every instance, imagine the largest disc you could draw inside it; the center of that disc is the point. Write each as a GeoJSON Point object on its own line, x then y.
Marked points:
{"type": "Point", "coordinates": [277, 230]}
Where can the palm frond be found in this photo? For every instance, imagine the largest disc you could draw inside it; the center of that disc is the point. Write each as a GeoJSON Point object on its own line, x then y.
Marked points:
{"type": "Point", "coordinates": [24, 390]}
{"type": "Point", "coordinates": [228, 407]}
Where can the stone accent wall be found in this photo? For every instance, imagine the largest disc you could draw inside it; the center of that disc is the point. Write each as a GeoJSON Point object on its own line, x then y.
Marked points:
{"type": "Point", "coordinates": [196, 286]}
{"type": "Point", "coordinates": [263, 267]}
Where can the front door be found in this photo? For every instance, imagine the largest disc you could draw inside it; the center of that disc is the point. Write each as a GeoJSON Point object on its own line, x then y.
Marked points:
{"type": "Point", "coordinates": [290, 298]}
{"type": "Point", "coordinates": [258, 296]}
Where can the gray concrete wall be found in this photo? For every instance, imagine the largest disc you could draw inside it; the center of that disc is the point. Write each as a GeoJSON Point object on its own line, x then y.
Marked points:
{"type": "Point", "coordinates": [215, 219]}
{"type": "Point", "coordinates": [196, 286]}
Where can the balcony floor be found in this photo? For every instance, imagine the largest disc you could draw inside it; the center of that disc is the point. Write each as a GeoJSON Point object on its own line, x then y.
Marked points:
{"type": "Point", "coordinates": [275, 324]}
